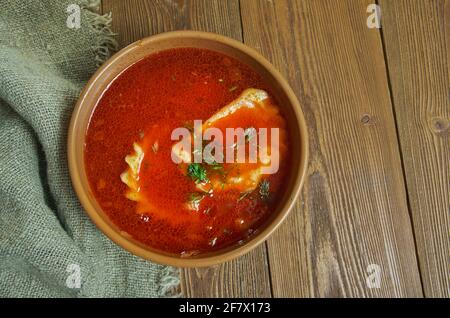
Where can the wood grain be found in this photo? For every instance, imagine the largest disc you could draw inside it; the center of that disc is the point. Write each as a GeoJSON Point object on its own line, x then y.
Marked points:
{"type": "Point", "coordinates": [132, 20]}
{"type": "Point", "coordinates": [417, 41]}
{"type": "Point", "coordinates": [353, 209]}
{"type": "Point", "coordinates": [246, 277]}
{"type": "Point", "coordinates": [136, 19]}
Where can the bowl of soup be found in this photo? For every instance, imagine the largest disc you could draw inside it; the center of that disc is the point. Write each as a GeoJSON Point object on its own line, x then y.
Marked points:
{"type": "Point", "coordinates": [187, 148]}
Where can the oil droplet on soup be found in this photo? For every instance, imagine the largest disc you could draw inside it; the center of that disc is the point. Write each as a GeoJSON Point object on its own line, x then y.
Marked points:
{"type": "Point", "coordinates": [187, 208]}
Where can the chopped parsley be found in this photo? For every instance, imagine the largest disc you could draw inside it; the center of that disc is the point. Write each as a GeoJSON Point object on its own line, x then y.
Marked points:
{"type": "Point", "coordinates": [197, 173]}
{"type": "Point", "coordinates": [264, 187]}
{"type": "Point", "coordinates": [216, 166]}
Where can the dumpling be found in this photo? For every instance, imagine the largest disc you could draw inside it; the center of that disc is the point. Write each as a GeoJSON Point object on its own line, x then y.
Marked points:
{"type": "Point", "coordinates": [253, 111]}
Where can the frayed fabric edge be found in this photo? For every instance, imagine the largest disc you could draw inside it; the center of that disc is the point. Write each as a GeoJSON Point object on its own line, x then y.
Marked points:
{"type": "Point", "coordinates": [106, 43]}
{"type": "Point", "coordinates": [169, 283]}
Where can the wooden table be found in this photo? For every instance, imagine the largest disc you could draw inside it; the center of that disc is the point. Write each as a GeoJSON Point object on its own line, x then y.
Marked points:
{"type": "Point", "coordinates": [377, 101]}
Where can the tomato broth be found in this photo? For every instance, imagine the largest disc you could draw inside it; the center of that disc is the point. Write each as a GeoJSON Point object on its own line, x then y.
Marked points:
{"type": "Point", "coordinates": [144, 104]}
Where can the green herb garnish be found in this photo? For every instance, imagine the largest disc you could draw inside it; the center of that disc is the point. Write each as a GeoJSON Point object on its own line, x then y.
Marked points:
{"type": "Point", "coordinates": [197, 173]}
{"type": "Point", "coordinates": [264, 189]}
{"type": "Point", "coordinates": [216, 166]}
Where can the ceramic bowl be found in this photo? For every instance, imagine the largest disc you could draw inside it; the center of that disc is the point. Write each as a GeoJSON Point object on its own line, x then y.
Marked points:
{"type": "Point", "coordinates": [89, 97]}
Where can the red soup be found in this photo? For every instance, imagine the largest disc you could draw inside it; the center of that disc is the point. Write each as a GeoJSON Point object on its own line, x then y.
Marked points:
{"type": "Point", "coordinates": [170, 198]}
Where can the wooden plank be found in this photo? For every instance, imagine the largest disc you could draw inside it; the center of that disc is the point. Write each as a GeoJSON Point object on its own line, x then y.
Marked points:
{"type": "Point", "coordinates": [247, 276]}
{"type": "Point", "coordinates": [353, 209]}
{"type": "Point", "coordinates": [417, 41]}
{"type": "Point", "coordinates": [132, 20]}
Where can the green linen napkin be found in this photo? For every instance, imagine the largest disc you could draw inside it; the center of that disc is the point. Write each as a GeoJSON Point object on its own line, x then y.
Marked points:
{"type": "Point", "coordinates": [48, 246]}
